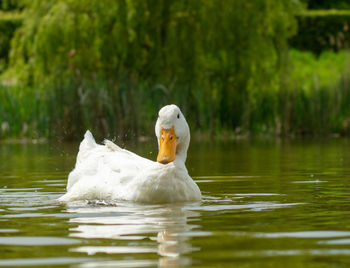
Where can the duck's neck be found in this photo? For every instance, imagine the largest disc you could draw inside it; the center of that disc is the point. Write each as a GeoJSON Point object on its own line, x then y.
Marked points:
{"type": "Point", "coordinates": [181, 150]}
{"type": "Point", "coordinates": [181, 156]}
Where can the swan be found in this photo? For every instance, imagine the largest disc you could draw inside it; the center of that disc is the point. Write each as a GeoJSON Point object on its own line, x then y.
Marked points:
{"type": "Point", "coordinates": [108, 172]}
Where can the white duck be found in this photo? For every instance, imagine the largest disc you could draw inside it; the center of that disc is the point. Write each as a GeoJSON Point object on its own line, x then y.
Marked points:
{"type": "Point", "coordinates": [107, 172]}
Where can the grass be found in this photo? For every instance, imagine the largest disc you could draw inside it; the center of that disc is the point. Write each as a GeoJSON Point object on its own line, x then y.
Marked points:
{"type": "Point", "coordinates": [313, 99]}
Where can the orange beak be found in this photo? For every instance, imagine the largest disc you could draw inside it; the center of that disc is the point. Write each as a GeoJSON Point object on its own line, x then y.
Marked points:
{"type": "Point", "coordinates": [167, 146]}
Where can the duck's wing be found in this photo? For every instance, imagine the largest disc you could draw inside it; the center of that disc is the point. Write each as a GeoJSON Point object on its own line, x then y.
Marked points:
{"type": "Point", "coordinates": [90, 149]}
{"type": "Point", "coordinates": [126, 156]}
{"type": "Point", "coordinates": [100, 163]}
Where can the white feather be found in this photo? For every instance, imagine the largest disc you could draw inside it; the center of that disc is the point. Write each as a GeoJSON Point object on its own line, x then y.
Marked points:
{"type": "Point", "coordinates": [108, 172]}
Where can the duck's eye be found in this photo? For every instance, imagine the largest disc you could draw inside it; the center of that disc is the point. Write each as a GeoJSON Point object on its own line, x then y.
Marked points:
{"type": "Point", "coordinates": [178, 116]}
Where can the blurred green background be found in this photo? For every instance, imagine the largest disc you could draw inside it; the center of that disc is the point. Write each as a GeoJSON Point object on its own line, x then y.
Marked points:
{"type": "Point", "coordinates": [235, 67]}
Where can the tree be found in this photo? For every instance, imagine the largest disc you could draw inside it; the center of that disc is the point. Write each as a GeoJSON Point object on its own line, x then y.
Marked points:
{"type": "Point", "coordinates": [106, 60]}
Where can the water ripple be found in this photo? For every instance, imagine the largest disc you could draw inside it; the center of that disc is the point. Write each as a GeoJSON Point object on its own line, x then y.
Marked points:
{"type": "Point", "coordinates": [37, 240]}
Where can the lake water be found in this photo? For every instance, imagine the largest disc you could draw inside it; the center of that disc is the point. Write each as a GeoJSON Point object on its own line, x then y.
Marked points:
{"type": "Point", "coordinates": [265, 203]}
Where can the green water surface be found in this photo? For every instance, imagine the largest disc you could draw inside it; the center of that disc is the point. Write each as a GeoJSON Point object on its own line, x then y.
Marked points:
{"type": "Point", "coordinates": [265, 204]}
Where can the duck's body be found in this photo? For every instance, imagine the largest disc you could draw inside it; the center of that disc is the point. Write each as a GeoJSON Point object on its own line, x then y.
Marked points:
{"type": "Point", "coordinates": [107, 172]}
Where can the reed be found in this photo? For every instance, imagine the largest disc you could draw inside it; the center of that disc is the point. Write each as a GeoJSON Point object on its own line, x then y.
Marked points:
{"type": "Point", "coordinates": [313, 99]}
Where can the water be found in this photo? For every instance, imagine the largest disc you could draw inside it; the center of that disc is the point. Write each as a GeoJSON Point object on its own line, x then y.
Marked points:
{"type": "Point", "coordinates": [265, 203]}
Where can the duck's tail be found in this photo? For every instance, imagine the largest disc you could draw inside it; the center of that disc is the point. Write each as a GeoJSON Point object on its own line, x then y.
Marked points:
{"type": "Point", "coordinates": [88, 141]}
{"type": "Point", "coordinates": [87, 144]}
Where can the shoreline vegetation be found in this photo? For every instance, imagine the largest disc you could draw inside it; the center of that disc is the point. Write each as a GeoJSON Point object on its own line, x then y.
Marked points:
{"type": "Point", "coordinates": [77, 65]}
{"type": "Point", "coordinates": [307, 107]}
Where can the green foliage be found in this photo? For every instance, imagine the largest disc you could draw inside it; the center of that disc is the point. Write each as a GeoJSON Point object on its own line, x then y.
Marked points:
{"type": "Point", "coordinates": [320, 30]}
{"type": "Point", "coordinates": [11, 4]}
{"type": "Point", "coordinates": [23, 113]}
{"type": "Point", "coordinates": [326, 4]}
{"type": "Point", "coordinates": [9, 22]}
{"type": "Point", "coordinates": [316, 98]}
{"type": "Point", "coordinates": [110, 65]}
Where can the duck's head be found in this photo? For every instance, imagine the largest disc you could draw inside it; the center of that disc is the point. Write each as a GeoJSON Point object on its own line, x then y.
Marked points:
{"type": "Point", "coordinates": [173, 134]}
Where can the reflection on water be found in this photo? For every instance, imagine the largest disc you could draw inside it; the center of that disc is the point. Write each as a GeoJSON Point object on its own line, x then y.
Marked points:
{"type": "Point", "coordinates": [165, 226]}
{"type": "Point", "coordinates": [168, 229]}
{"type": "Point", "coordinates": [265, 203]}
